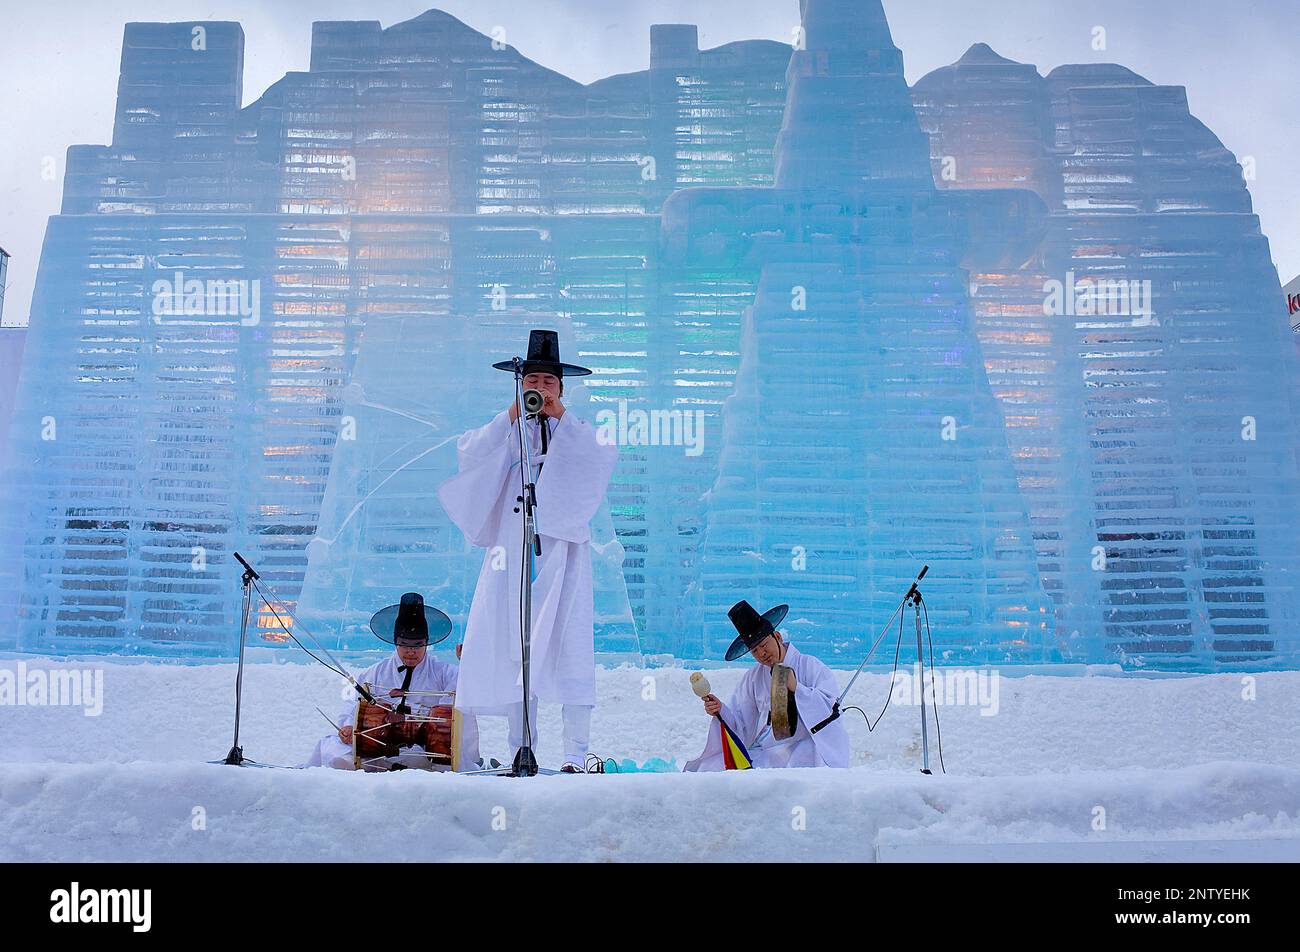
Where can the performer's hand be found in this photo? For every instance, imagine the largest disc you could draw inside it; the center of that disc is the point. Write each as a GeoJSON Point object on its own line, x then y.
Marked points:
{"type": "Point", "coordinates": [461, 647]}
{"type": "Point", "coordinates": [712, 705]}
{"type": "Point", "coordinates": [790, 682]}
{"type": "Point", "coordinates": [553, 407]}
{"type": "Point", "coordinates": [345, 734]}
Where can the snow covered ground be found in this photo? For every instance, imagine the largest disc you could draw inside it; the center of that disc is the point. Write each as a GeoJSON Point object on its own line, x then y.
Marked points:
{"type": "Point", "coordinates": [1091, 767]}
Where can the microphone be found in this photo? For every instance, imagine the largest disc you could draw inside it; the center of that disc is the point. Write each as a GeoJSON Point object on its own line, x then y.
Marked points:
{"type": "Point", "coordinates": [912, 591]}
{"type": "Point", "coordinates": [250, 569]}
{"type": "Point", "coordinates": [534, 400]}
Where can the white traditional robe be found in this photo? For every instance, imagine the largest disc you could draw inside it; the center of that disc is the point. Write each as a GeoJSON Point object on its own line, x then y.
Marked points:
{"type": "Point", "coordinates": [429, 675]}
{"type": "Point", "coordinates": [481, 499]}
{"type": "Point", "coordinates": [747, 715]}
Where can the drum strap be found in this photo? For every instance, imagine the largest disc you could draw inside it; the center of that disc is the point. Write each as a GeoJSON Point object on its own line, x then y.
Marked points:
{"type": "Point", "coordinates": [402, 706]}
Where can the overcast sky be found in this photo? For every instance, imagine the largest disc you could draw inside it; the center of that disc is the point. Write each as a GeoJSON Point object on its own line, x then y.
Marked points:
{"type": "Point", "coordinates": [59, 65]}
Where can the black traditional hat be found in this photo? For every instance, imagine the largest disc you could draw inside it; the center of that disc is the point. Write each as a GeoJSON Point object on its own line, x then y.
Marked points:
{"type": "Point", "coordinates": [544, 357]}
{"type": "Point", "coordinates": [410, 622]}
{"type": "Point", "coordinates": [752, 626]}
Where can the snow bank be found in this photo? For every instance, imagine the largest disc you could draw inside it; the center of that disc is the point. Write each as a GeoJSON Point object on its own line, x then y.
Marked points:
{"type": "Point", "coordinates": [1194, 761]}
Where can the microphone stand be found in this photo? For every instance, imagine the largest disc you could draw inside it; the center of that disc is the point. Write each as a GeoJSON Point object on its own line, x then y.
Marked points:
{"type": "Point", "coordinates": [250, 578]}
{"type": "Point", "coordinates": [913, 597]}
{"type": "Point", "coordinates": [525, 762]}
{"type": "Point", "coordinates": [236, 756]}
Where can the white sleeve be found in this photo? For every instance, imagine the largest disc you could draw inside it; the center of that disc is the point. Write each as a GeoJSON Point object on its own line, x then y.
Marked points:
{"type": "Point", "coordinates": [474, 445]}
{"type": "Point", "coordinates": [573, 481]}
{"type": "Point", "coordinates": [472, 498]}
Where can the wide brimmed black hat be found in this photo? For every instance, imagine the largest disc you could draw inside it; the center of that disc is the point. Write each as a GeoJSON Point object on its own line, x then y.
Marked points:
{"type": "Point", "coordinates": [544, 357]}
{"type": "Point", "coordinates": [411, 622]}
{"type": "Point", "coordinates": [752, 626]}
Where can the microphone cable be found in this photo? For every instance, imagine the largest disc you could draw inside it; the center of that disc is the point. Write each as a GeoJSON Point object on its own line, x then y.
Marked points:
{"type": "Point", "coordinates": [898, 648]}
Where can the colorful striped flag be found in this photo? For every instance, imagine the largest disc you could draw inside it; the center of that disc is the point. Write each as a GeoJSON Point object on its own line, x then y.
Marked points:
{"type": "Point", "coordinates": [734, 754]}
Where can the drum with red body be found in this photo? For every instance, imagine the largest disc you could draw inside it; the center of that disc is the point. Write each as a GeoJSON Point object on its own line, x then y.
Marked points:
{"type": "Point", "coordinates": [381, 732]}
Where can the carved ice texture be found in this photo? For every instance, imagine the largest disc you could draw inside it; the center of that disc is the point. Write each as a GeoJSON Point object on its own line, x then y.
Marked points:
{"type": "Point", "coordinates": [259, 328]}
{"type": "Point", "coordinates": [861, 438]}
{"type": "Point", "coordinates": [1154, 422]}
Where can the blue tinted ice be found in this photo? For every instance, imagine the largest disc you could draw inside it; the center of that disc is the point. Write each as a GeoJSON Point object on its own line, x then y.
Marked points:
{"type": "Point", "coordinates": [1020, 328]}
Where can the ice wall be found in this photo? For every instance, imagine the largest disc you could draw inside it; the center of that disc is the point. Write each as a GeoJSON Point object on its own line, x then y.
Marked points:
{"type": "Point", "coordinates": [861, 439]}
{"type": "Point", "coordinates": [390, 220]}
{"type": "Point", "coordinates": [1151, 400]}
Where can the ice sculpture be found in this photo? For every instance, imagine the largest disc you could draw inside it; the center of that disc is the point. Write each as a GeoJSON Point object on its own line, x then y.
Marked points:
{"type": "Point", "coordinates": [382, 530]}
{"type": "Point", "coordinates": [575, 250]}
{"type": "Point", "coordinates": [12, 341]}
{"type": "Point", "coordinates": [1151, 404]}
{"type": "Point", "coordinates": [862, 441]}
{"type": "Point", "coordinates": [343, 195]}
{"type": "Point", "coordinates": [252, 327]}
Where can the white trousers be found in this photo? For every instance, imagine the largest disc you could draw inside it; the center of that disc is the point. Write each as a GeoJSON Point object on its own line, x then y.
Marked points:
{"type": "Point", "coordinates": [577, 729]}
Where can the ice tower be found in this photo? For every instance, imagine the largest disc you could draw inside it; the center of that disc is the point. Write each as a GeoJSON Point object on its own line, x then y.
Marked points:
{"type": "Point", "coordinates": [862, 441]}
{"type": "Point", "coordinates": [1150, 397]}
{"type": "Point", "coordinates": [540, 210]}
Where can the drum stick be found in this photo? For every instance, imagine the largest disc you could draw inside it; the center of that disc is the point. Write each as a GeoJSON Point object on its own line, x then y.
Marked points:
{"type": "Point", "coordinates": [330, 719]}
{"type": "Point", "coordinates": [700, 685]}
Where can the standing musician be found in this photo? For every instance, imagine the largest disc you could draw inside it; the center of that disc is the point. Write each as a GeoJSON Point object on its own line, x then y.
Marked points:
{"type": "Point", "coordinates": [410, 672]}
{"type": "Point", "coordinates": [777, 701]}
{"type": "Point", "coordinates": [571, 470]}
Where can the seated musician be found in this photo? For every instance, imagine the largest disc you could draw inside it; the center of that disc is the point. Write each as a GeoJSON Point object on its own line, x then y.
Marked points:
{"type": "Point", "coordinates": [809, 692]}
{"type": "Point", "coordinates": [409, 677]}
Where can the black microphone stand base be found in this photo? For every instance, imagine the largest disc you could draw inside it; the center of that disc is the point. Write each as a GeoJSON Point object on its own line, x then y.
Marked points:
{"type": "Point", "coordinates": [235, 758]}
{"type": "Point", "coordinates": [525, 764]}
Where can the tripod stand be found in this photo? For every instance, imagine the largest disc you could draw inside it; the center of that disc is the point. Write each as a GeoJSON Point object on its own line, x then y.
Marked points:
{"type": "Point", "coordinates": [236, 756]}
{"type": "Point", "coordinates": [913, 598]}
